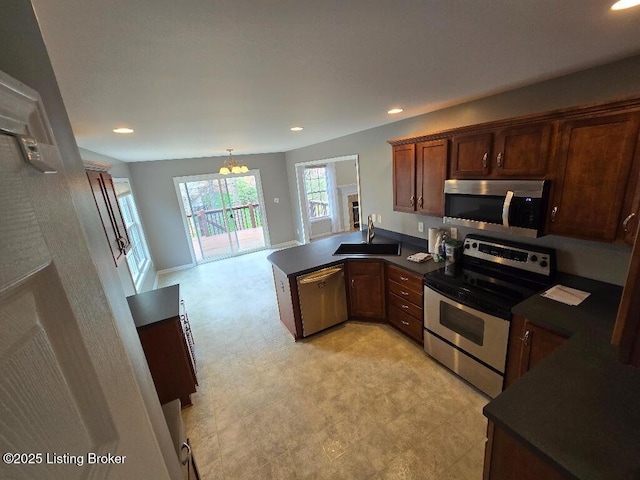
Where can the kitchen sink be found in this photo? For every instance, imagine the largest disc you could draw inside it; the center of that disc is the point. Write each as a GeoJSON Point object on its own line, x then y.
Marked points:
{"type": "Point", "coordinates": [368, 249]}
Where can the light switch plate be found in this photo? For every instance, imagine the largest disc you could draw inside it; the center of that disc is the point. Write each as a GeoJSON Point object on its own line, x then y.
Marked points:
{"type": "Point", "coordinates": [453, 233]}
{"type": "Point", "coordinates": [379, 218]}
{"type": "Point", "coordinates": [276, 200]}
{"type": "Point", "coordinates": [420, 226]}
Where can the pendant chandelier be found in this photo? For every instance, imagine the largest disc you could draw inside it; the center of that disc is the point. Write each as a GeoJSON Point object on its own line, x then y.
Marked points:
{"type": "Point", "coordinates": [231, 166]}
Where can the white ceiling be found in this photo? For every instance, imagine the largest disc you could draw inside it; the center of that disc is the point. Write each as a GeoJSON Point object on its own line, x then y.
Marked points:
{"type": "Point", "coordinates": [195, 77]}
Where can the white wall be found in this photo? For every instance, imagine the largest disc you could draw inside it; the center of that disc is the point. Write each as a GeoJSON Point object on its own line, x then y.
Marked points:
{"type": "Point", "coordinates": [591, 259]}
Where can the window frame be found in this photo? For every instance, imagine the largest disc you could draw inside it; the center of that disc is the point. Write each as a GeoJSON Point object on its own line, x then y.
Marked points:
{"type": "Point", "coordinates": [319, 191]}
{"type": "Point", "coordinates": [139, 248]}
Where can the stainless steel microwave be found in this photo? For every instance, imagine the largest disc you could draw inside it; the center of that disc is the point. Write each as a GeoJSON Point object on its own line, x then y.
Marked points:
{"type": "Point", "coordinates": [516, 207]}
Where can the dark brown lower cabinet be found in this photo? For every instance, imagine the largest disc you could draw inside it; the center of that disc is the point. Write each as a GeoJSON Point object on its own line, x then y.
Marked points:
{"type": "Point", "coordinates": [365, 286]}
{"type": "Point", "coordinates": [165, 334]}
{"type": "Point", "coordinates": [528, 345]}
{"type": "Point", "coordinates": [508, 459]}
{"type": "Point", "coordinates": [405, 299]}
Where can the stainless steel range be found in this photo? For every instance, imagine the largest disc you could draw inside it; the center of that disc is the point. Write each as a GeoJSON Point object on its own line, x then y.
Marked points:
{"type": "Point", "coordinates": [467, 305]}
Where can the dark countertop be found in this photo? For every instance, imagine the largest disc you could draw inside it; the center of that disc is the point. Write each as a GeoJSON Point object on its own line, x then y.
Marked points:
{"type": "Point", "coordinates": [155, 305]}
{"type": "Point", "coordinates": [578, 408]}
{"type": "Point", "coordinates": [302, 259]}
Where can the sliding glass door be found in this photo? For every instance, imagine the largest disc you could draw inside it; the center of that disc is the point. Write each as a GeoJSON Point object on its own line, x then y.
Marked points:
{"type": "Point", "coordinates": [223, 214]}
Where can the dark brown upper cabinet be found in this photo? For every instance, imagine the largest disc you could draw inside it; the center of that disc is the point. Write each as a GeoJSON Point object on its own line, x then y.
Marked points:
{"type": "Point", "coordinates": [521, 151]}
{"type": "Point", "coordinates": [404, 178]}
{"type": "Point", "coordinates": [594, 161]}
{"type": "Point", "coordinates": [431, 172]}
{"type": "Point", "coordinates": [419, 172]}
{"type": "Point", "coordinates": [104, 194]}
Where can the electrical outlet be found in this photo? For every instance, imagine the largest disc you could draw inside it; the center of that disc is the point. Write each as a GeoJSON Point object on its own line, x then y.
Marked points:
{"type": "Point", "coordinates": [420, 226]}
{"type": "Point", "coordinates": [453, 233]}
{"type": "Point", "coordinates": [379, 218]}
{"type": "Point", "coordinates": [276, 200]}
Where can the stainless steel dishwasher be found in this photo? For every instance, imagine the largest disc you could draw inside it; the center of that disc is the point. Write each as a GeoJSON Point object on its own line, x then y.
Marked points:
{"type": "Point", "coordinates": [323, 299]}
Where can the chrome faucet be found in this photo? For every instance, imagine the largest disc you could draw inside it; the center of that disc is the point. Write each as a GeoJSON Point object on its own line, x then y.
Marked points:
{"type": "Point", "coordinates": [370, 232]}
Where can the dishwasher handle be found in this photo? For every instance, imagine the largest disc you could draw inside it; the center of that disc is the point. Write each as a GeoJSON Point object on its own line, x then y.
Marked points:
{"type": "Point", "coordinates": [320, 275]}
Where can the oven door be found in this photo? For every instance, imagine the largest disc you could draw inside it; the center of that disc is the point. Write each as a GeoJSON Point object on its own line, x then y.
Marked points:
{"type": "Point", "coordinates": [478, 334]}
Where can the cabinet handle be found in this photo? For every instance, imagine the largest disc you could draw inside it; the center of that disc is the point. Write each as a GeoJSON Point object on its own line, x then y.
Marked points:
{"type": "Point", "coordinates": [404, 323]}
{"type": "Point", "coordinates": [404, 279]}
{"type": "Point", "coordinates": [413, 200]}
{"type": "Point", "coordinates": [188, 455]}
{"type": "Point", "coordinates": [406, 294]}
{"type": "Point", "coordinates": [554, 212]}
{"type": "Point", "coordinates": [627, 220]}
{"type": "Point", "coordinates": [526, 337]}
{"type": "Point", "coordinates": [353, 282]}
{"type": "Point", "coordinates": [122, 243]}
{"type": "Point", "coordinates": [405, 307]}
{"type": "Point", "coordinates": [499, 160]}
{"type": "Point", "coordinates": [420, 201]}
{"type": "Point", "coordinates": [484, 159]}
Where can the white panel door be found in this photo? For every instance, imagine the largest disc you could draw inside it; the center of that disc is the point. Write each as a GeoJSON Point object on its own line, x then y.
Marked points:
{"type": "Point", "coordinates": [57, 414]}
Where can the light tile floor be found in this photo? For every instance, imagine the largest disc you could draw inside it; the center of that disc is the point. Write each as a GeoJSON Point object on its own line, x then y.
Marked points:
{"type": "Point", "coordinates": [358, 401]}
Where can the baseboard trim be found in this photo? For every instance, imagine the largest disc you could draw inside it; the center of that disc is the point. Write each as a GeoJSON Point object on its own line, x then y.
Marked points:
{"type": "Point", "coordinates": [292, 243]}
{"type": "Point", "coordinates": [172, 269]}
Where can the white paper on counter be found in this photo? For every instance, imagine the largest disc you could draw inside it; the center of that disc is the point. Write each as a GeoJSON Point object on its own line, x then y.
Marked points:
{"type": "Point", "coordinates": [568, 295]}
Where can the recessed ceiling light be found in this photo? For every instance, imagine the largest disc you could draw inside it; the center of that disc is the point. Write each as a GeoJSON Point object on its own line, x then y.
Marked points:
{"type": "Point", "coordinates": [123, 130]}
{"type": "Point", "coordinates": [395, 110]}
{"type": "Point", "coordinates": [296, 129]}
{"type": "Point", "coordinates": [623, 4]}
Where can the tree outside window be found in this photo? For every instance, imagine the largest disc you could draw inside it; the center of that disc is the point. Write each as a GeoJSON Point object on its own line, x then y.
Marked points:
{"type": "Point", "coordinates": [315, 186]}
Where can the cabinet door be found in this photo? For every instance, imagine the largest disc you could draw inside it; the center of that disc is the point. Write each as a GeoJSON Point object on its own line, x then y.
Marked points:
{"type": "Point", "coordinates": [528, 345]}
{"type": "Point", "coordinates": [522, 152]}
{"type": "Point", "coordinates": [593, 161]}
{"type": "Point", "coordinates": [366, 289]}
{"type": "Point", "coordinates": [404, 178]}
{"type": "Point", "coordinates": [431, 172]}
{"type": "Point", "coordinates": [628, 224]}
{"type": "Point", "coordinates": [506, 459]}
{"type": "Point", "coordinates": [537, 343]}
{"type": "Point", "coordinates": [102, 194]}
{"type": "Point", "coordinates": [470, 156]}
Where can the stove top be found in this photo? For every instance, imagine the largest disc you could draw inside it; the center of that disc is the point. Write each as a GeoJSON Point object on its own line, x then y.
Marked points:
{"type": "Point", "coordinates": [494, 275]}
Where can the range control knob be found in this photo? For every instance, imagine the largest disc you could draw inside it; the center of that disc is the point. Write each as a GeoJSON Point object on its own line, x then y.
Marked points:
{"type": "Point", "coordinates": [534, 258]}
{"type": "Point", "coordinates": [467, 246]}
{"type": "Point", "coordinates": [544, 264]}
{"type": "Point", "coordinates": [474, 245]}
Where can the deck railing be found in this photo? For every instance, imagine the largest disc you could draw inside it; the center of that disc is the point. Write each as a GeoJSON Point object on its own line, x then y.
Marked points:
{"type": "Point", "coordinates": [318, 209]}
{"type": "Point", "coordinates": [212, 222]}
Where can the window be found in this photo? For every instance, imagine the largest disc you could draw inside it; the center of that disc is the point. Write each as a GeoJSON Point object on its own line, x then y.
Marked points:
{"type": "Point", "coordinates": [315, 186]}
{"type": "Point", "coordinates": [138, 257]}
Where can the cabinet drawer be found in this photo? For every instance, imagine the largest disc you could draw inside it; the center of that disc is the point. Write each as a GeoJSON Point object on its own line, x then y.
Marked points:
{"type": "Point", "coordinates": [406, 293]}
{"type": "Point", "coordinates": [403, 277]}
{"type": "Point", "coordinates": [401, 304]}
{"type": "Point", "coordinates": [404, 322]}
{"type": "Point", "coordinates": [364, 267]}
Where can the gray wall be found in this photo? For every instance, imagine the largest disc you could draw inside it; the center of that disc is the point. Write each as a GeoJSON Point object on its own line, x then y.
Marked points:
{"type": "Point", "coordinates": [613, 81]}
{"type": "Point", "coordinates": [160, 210]}
{"type": "Point", "coordinates": [144, 437]}
{"type": "Point", "coordinates": [345, 172]}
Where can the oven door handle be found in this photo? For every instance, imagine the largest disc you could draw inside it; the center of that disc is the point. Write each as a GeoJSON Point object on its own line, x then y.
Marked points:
{"type": "Point", "coordinates": [506, 208]}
